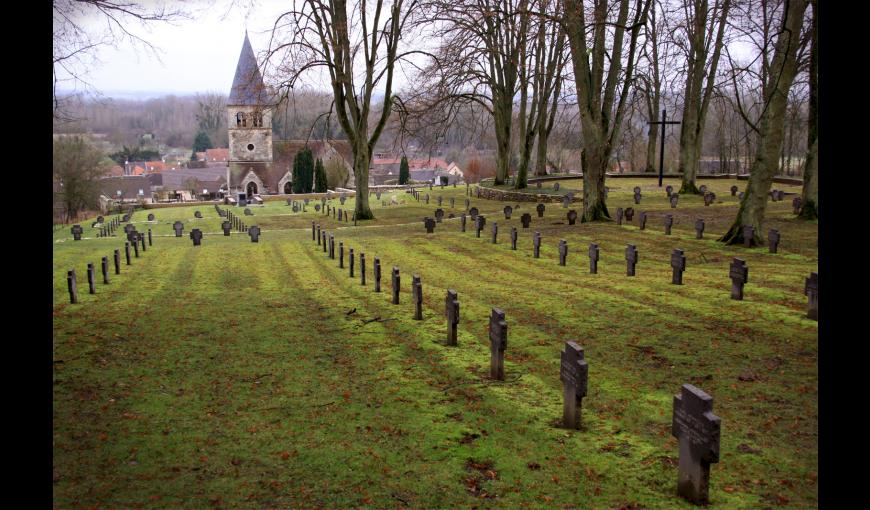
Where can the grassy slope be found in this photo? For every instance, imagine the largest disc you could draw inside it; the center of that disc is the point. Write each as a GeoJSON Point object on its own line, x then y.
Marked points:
{"type": "Point", "coordinates": [232, 374]}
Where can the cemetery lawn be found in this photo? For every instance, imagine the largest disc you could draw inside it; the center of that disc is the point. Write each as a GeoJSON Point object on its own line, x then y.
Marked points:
{"type": "Point", "coordinates": [260, 375]}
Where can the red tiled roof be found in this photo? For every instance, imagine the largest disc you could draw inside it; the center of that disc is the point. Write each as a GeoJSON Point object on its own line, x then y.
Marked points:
{"type": "Point", "coordinates": [220, 154]}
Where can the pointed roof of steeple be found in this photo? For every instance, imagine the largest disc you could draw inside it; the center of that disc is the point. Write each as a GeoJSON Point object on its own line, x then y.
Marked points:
{"type": "Point", "coordinates": [248, 88]}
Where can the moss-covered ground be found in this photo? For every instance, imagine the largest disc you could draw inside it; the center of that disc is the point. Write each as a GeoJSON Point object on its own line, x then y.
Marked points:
{"type": "Point", "coordinates": [260, 375]}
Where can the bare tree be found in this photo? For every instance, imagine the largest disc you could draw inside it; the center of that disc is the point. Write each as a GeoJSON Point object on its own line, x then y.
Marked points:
{"type": "Point", "coordinates": [704, 27]}
{"type": "Point", "coordinates": [77, 167]}
{"type": "Point", "coordinates": [76, 46]}
{"type": "Point", "coordinates": [315, 35]}
{"type": "Point", "coordinates": [601, 98]}
{"type": "Point", "coordinates": [780, 75]}
{"type": "Point", "coordinates": [810, 194]}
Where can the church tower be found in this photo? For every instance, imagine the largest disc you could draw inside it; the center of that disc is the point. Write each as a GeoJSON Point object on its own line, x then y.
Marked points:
{"type": "Point", "coordinates": [249, 121]}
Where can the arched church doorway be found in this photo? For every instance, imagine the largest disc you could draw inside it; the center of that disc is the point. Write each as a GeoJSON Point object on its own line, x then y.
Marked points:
{"type": "Point", "coordinates": [288, 188]}
{"type": "Point", "coordinates": [252, 189]}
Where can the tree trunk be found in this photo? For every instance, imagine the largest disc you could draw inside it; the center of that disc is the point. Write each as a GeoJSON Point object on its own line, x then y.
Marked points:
{"type": "Point", "coordinates": [541, 156]}
{"type": "Point", "coordinates": [503, 143]}
{"type": "Point", "coordinates": [652, 144]}
{"type": "Point", "coordinates": [361, 163]}
{"type": "Point", "coordinates": [810, 195]}
{"type": "Point", "coordinates": [690, 154]}
{"type": "Point", "coordinates": [771, 129]}
{"type": "Point", "coordinates": [594, 170]}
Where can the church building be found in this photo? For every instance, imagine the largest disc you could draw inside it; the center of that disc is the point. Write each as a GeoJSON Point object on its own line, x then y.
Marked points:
{"type": "Point", "coordinates": [252, 167]}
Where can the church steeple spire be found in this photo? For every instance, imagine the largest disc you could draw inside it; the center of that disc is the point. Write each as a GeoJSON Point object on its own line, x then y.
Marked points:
{"type": "Point", "coordinates": [248, 88]}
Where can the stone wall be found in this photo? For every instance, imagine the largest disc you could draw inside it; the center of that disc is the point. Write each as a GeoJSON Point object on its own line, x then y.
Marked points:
{"type": "Point", "coordinates": [517, 196]}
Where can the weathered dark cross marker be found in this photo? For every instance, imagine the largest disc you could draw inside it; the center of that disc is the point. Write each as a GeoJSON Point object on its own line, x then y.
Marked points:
{"type": "Point", "coordinates": [105, 268]}
{"type": "Point", "coordinates": [739, 275]}
{"type": "Point", "coordinates": [76, 231]}
{"type": "Point", "coordinates": [631, 259]}
{"type": "Point", "coordinates": [331, 246]}
{"type": "Point", "coordinates": [514, 236]}
{"type": "Point", "coordinates": [312, 230]}
{"type": "Point", "coordinates": [439, 200]}
{"type": "Point", "coordinates": [439, 214]}
{"type": "Point", "coordinates": [429, 223]}
{"type": "Point", "coordinates": [494, 232]}
{"type": "Point", "coordinates": [699, 228]}
{"type": "Point", "coordinates": [508, 210]}
{"type": "Point", "coordinates": [748, 235]}
{"type": "Point", "coordinates": [497, 344]}
{"type": "Point", "coordinates": [226, 228]}
{"type": "Point", "coordinates": [709, 198]}
{"type": "Point", "coordinates": [135, 244]}
{"type": "Point", "coordinates": [668, 190]}
{"type": "Point", "coordinates": [574, 374]}
{"type": "Point", "coordinates": [127, 251]}
{"type": "Point", "coordinates": [479, 222]}
{"type": "Point", "coordinates": [142, 240]}
{"type": "Point", "coordinates": [178, 227]}
{"type": "Point", "coordinates": [629, 213]}
{"type": "Point", "coordinates": [396, 281]}
{"type": "Point", "coordinates": [452, 201]}
{"type": "Point", "coordinates": [71, 286]}
{"type": "Point", "coordinates": [473, 212]}
{"type": "Point", "coordinates": [341, 255]}
{"type": "Point", "coordinates": [811, 290]}
{"type": "Point", "coordinates": [669, 222]}
{"type": "Point", "coordinates": [594, 255]}
{"type": "Point", "coordinates": [149, 237]}
{"type": "Point", "coordinates": [697, 428]}
{"type": "Point", "coordinates": [377, 274]}
{"type": "Point", "coordinates": [417, 296]}
{"type": "Point", "coordinates": [452, 312]}
{"type": "Point", "coordinates": [641, 219]}
{"type": "Point", "coordinates": [536, 244]}
{"type": "Point", "coordinates": [196, 235]}
{"type": "Point", "coordinates": [563, 252]}
{"type": "Point", "coordinates": [526, 219]}
{"type": "Point", "coordinates": [117, 261]}
{"type": "Point", "coordinates": [540, 208]}
{"type": "Point", "coordinates": [92, 288]}
{"type": "Point", "coordinates": [796, 205]}
{"type": "Point", "coordinates": [197, 214]}
{"type": "Point", "coordinates": [350, 263]}
{"type": "Point", "coordinates": [318, 235]}
{"type": "Point", "coordinates": [773, 240]}
{"type": "Point", "coordinates": [637, 197]}
{"type": "Point", "coordinates": [566, 201]}
{"type": "Point", "coordinates": [254, 232]}
{"type": "Point", "coordinates": [678, 263]}
{"type": "Point", "coordinates": [619, 214]}
{"type": "Point", "coordinates": [462, 222]}
{"type": "Point", "coordinates": [572, 217]}
{"type": "Point", "coordinates": [426, 198]}
{"type": "Point", "coordinates": [467, 204]}
{"type": "Point", "coordinates": [674, 199]}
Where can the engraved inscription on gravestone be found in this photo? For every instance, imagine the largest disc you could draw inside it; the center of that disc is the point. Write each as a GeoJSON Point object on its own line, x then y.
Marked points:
{"type": "Point", "coordinates": [574, 374]}
{"type": "Point", "coordinates": [678, 263]}
{"type": "Point", "coordinates": [497, 343]}
{"type": "Point", "coordinates": [811, 290]}
{"type": "Point", "coordinates": [594, 254]}
{"type": "Point", "coordinates": [698, 431]}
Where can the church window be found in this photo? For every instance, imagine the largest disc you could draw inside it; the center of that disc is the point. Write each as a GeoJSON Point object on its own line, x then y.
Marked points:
{"type": "Point", "coordinates": [241, 119]}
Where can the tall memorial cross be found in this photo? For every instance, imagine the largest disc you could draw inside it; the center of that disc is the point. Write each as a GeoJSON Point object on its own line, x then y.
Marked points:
{"type": "Point", "coordinates": [678, 263]}
{"type": "Point", "coordinates": [739, 275]}
{"type": "Point", "coordinates": [664, 122]}
{"type": "Point", "coordinates": [811, 289]}
{"type": "Point", "coordinates": [396, 281]}
{"type": "Point", "coordinates": [497, 343]}
{"type": "Point", "coordinates": [451, 310]}
{"type": "Point", "coordinates": [574, 374]}
{"type": "Point", "coordinates": [631, 259]}
{"type": "Point", "coordinates": [417, 296]}
{"type": "Point", "coordinates": [698, 430]}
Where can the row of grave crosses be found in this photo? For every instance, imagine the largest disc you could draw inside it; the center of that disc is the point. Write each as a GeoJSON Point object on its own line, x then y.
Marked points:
{"type": "Point", "coordinates": [694, 423]}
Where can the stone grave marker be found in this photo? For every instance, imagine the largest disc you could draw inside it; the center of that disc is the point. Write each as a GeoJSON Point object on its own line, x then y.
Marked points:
{"type": "Point", "coordinates": [71, 286]}
{"type": "Point", "coordinates": [341, 255]}
{"type": "Point", "coordinates": [104, 264]}
{"type": "Point", "coordinates": [377, 274]}
{"type": "Point", "coordinates": [739, 275]}
{"type": "Point", "coordinates": [508, 210]}
{"type": "Point", "coordinates": [396, 281]}
{"type": "Point", "coordinates": [142, 240]}
{"type": "Point", "coordinates": [290, 201]}
{"type": "Point", "coordinates": [478, 192]}
{"type": "Point", "coordinates": [513, 238]}
{"type": "Point", "coordinates": [811, 290]}
{"type": "Point", "coordinates": [669, 189]}
{"type": "Point", "coordinates": [149, 237]}
{"type": "Point", "coordinates": [641, 220]}
{"type": "Point", "coordinates": [127, 251]}
{"type": "Point", "coordinates": [417, 297]}
{"type": "Point", "coordinates": [318, 235]}
{"type": "Point", "coordinates": [440, 198]}
{"type": "Point", "coordinates": [540, 208]}
{"type": "Point", "coordinates": [619, 214]}
{"type": "Point", "coordinates": [77, 231]}
{"type": "Point", "coordinates": [426, 198]}
{"type": "Point", "coordinates": [332, 246]}
{"type": "Point", "coordinates": [452, 202]}
{"type": "Point", "coordinates": [566, 201]}
{"type": "Point", "coordinates": [196, 235]}
{"type": "Point", "coordinates": [100, 219]}
{"type": "Point", "coordinates": [378, 195]}
{"type": "Point", "coordinates": [126, 218]}
{"type": "Point", "coordinates": [467, 204]}
{"type": "Point", "coordinates": [494, 232]}
{"type": "Point", "coordinates": [674, 199]}
{"type": "Point", "coordinates": [563, 252]}
{"type": "Point", "coordinates": [740, 195]}
{"type": "Point", "coordinates": [678, 264]}
{"type": "Point", "coordinates": [340, 212]}
{"type": "Point", "coordinates": [452, 312]}
{"type": "Point", "coordinates": [317, 207]}
{"type": "Point", "coordinates": [248, 212]}
{"type": "Point", "coordinates": [178, 227]}
{"type": "Point", "coordinates": [629, 213]}
{"type": "Point", "coordinates": [325, 241]}
{"type": "Point", "coordinates": [342, 198]}
{"type": "Point", "coordinates": [462, 222]}
{"type": "Point", "coordinates": [226, 228]}
{"type": "Point", "coordinates": [773, 240]}
{"type": "Point", "coordinates": [92, 288]}
{"type": "Point", "coordinates": [708, 199]}
{"type": "Point", "coordinates": [699, 228]}
{"type": "Point", "coordinates": [350, 261]}
{"type": "Point", "coordinates": [536, 244]}
{"type": "Point", "coordinates": [697, 428]}
{"type": "Point", "coordinates": [526, 219]}
{"type": "Point", "coordinates": [473, 212]}
{"type": "Point", "coordinates": [572, 217]}
{"type": "Point", "coordinates": [574, 374]}
{"type": "Point", "coordinates": [734, 190]}
{"type": "Point", "coordinates": [429, 223]}
{"type": "Point", "coordinates": [748, 235]}
{"type": "Point", "coordinates": [130, 228]}
{"type": "Point", "coordinates": [151, 217]}
{"type": "Point", "coordinates": [497, 343]}
{"type": "Point", "coordinates": [637, 197]}
{"type": "Point", "coordinates": [631, 259]}
{"type": "Point", "coordinates": [362, 268]}
{"type": "Point", "coordinates": [594, 255]}
{"type": "Point", "coordinates": [538, 184]}
{"type": "Point", "coordinates": [796, 205]}
{"type": "Point", "coordinates": [197, 214]}
{"type": "Point", "coordinates": [135, 244]}
{"type": "Point", "coordinates": [117, 260]}
{"type": "Point", "coordinates": [556, 186]}
{"type": "Point", "coordinates": [479, 223]}
{"type": "Point", "coordinates": [669, 222]}
{"type": "Point", "coordinates": [439, 214]}
{"type": "Point", "coordinates": [703, 189]}
{"type": "Point", "coordinates": [295, 207]}
{"type": "Point", "coordinates": [254, 232]}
